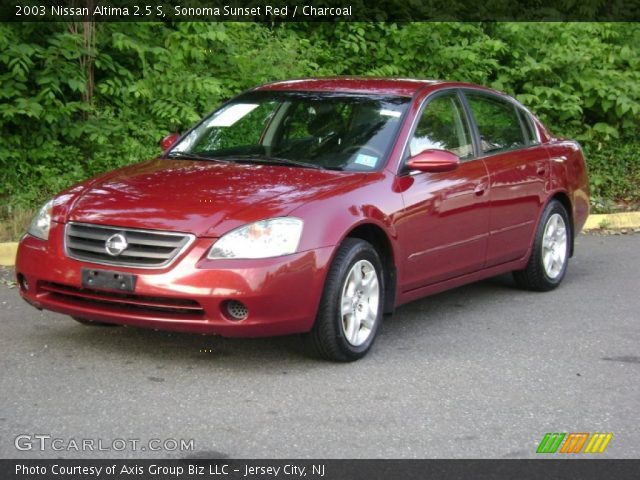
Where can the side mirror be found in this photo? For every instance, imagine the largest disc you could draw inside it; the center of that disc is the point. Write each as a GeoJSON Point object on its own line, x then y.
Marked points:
{"type": "Point", "coordinates": [434, 161]}
{"type": "Point", "coordinates": [167, 142]}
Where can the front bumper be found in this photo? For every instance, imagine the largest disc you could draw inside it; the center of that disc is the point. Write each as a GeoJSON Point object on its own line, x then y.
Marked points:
{"type": "Point", "coordinates": [281, 294]}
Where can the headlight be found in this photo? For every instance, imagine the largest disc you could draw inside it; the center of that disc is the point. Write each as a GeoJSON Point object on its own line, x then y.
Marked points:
{"type": "Point", "coordinates": [42, 222]}
{"type": "Point", "coordinates": [266, 238]}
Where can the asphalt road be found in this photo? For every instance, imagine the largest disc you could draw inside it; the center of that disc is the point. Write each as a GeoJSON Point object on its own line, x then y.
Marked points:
{"type": "Point", "coordinates": [480, 371]}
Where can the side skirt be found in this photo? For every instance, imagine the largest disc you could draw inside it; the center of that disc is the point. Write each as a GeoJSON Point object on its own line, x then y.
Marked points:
{"type": "Point", "coordinates": [405, 297]}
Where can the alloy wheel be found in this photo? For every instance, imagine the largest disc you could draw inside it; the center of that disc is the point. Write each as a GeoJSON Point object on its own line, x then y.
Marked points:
{"type": "Point", "coordinates": [554, 246]}
{"type": "Point", "coordinates": [359, 305]}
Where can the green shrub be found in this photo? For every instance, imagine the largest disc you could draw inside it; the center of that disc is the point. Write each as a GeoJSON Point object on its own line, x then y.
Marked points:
{"type": "Point", "coordinates": [75, 102]}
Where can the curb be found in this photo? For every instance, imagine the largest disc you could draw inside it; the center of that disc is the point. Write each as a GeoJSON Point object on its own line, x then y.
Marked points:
{"type": "Point", "coordinates": [594, 222]}
{"type": "Point", "coordinates": [8, 253]}
{"type": "Point", "coordinates": [613, 221]}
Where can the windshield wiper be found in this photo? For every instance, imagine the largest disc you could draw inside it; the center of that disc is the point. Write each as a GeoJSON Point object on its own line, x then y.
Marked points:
{"type": "Point", "coordinates": [193, 156]}
{"type": "Point", "coordinates": [256, 157]}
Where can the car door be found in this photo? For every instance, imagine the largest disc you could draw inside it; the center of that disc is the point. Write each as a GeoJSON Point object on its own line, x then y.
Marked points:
{"type": "Point", "coordinates": [518, 171]}
{"type": "Point", "coordinates": [445, 223]}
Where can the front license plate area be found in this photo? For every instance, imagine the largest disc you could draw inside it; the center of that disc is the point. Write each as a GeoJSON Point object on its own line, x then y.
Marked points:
{"type": "Point", "coordinates": [108, 280]}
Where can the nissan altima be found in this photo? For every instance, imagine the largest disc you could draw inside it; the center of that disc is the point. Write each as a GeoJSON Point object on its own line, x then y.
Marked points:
{"type": "Point", "coordinates": [313, 207]}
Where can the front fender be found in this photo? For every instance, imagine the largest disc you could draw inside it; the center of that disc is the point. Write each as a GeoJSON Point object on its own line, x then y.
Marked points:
{"type": "Point", "coordinates": [328, 221]}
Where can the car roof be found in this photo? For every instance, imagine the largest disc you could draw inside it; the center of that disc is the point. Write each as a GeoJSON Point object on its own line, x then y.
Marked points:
{"type": "Point", "coordinates": [403, 87]}
{"type": "Point", "coordinates": [406, 87]}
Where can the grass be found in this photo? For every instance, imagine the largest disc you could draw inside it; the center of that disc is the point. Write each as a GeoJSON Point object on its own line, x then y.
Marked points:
{"type": "Point", "coordinates": [14, 223]}
{"type": "Point", "coordinates": [604, 224]}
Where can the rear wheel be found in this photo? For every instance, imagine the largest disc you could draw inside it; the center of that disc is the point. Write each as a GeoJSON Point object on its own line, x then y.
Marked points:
{"type": "Point", "coordinates": [351, 307]}
{"type": "Point", "coordinates": [93, 323]}
{"type": "Point", "coordinates": [550, 255]}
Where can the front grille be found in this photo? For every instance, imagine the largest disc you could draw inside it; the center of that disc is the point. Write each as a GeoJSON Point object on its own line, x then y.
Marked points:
{"type": "Point", "coordinates": [145, 248]}
{"type": "Point", "coordinates": [123, 302]}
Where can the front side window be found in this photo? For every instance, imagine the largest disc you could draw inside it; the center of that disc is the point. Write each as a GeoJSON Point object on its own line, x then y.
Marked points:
{"type": "Point", "coordinates": [321, 130]}
{"type": "Point", "coordinates": [497, 122]}
{"type": "Point", "coordinates": [443, 126]}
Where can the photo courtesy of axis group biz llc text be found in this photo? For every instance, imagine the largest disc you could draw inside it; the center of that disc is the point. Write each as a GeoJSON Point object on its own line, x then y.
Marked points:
{"type": "Point", "coordinates": [319, 239]}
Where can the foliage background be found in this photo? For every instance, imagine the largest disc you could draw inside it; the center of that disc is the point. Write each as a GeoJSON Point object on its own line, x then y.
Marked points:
{"type": "Point", "coordinates": [77, 99]}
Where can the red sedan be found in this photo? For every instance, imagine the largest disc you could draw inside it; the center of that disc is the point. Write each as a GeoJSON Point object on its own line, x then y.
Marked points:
{"type": "Point", "coordinates": [316, 207]}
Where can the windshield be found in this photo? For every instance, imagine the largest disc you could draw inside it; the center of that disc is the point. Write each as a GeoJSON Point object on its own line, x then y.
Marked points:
{"type": "Point", "coordinates": [315, 130]}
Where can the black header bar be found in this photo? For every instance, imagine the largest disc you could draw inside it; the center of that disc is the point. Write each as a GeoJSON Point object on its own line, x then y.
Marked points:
{"type": "Point", "coordinates": [318, 10]}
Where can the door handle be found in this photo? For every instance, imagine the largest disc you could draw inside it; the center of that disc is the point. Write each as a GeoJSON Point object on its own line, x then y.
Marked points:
{"type": "Point", "coordinates": [541, 171]}
{"type": "Point", "coordinates": [480, 188]}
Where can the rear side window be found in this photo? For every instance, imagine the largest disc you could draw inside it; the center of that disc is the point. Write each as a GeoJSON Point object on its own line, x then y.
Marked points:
{"type": "Point", "coordinates": [498, 123]}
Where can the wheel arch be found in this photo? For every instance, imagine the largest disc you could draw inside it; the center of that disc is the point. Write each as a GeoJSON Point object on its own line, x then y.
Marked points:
{"type": "Point", "coordinates": [376, 236]}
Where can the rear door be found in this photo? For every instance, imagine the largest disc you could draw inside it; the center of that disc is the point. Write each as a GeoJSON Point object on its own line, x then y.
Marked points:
{"type": "Point", "coordinates": [445, 223]}
{"type": "Point", "coordinates": [518, 171]}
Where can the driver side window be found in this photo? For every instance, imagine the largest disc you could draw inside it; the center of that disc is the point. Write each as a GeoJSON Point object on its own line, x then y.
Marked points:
{"type": "Point", "coordinates": [443, 126]}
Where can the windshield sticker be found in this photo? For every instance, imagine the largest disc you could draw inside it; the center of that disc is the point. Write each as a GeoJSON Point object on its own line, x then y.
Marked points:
{"type": "Point", "coordinates": [232, 114]}
{"type": "Point", "coordinates": [390, 113]}
{"type": "Point", "coordinates": [366, 160]}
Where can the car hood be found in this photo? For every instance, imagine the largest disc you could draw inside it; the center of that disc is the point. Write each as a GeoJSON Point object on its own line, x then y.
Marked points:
{"type": "Point", "coordinates": [200, 197]}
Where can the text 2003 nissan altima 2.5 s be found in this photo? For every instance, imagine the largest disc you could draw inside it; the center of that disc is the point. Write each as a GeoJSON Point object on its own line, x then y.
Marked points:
{"type": "Point", "coordinates": [313, 206]}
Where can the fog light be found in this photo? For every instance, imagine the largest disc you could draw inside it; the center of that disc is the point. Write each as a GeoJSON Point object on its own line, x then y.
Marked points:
{"type": "Point", "coordinates": [236, 310]}
{"type": "Point", "coordinates": [23, 282]}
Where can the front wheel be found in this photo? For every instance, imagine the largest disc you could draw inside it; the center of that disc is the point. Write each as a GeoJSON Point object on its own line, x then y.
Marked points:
{"type": "Point", "coordinates": [350, 311]}
{"type": "Point", "coordinates": [550, 255]}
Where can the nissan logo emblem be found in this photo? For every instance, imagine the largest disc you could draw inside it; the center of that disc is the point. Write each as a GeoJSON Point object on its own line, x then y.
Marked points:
{"type": "Point", "coordinates": [116, 244]}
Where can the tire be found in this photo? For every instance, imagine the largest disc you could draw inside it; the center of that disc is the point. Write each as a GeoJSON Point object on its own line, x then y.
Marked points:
{"type": "Point", "coordinates": [93, 323]}
{"type": "Point", "coordinates": [550, 254]}
{"type": "Point", "coordinates": [354, 284]}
